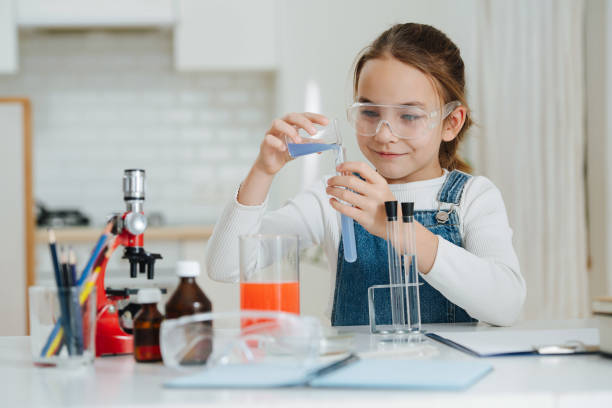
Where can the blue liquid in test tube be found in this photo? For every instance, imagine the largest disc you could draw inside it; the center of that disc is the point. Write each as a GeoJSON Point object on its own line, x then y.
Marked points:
{"type": "Point", "coordinates": [348, 239]}
{"type": "Point", "coordinates": [348, 227]}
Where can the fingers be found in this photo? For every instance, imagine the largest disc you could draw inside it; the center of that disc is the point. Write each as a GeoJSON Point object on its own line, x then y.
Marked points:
{"type": "Point", "coordinates": [292, 122]}
{"type": "Point", "coordinates": [363, 170]}
{"type": "Point", "coordinates": [353, 212]}
{"type": "Point", "coordinates": [350, 197]}
{"type": "Point", "coordinates": [300, 120]}
{"type": "Point", "coordinates": [351, 182]}
{"type": "Point", "coordinates": [317, 118]}
{"type": "Point", "coordinates": [280, 127]}
{"type": "Point", "coordinates": [274, 143]}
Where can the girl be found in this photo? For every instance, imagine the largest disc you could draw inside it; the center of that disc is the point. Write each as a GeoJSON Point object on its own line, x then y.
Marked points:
{"type": "Point", "coordinates": [410, 114]}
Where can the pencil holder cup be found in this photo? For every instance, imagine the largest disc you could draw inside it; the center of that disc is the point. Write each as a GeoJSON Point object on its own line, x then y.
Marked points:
{"type": "Point", "coordinates": [62, 325]}
{"type": "Point", "coordinates": [379, 310]}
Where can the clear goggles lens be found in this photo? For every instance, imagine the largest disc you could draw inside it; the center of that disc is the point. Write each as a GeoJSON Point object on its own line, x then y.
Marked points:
{"type": "Point", "coordinates": [404, 121]}
{"type": "Point", "coordinates": [212, 339]}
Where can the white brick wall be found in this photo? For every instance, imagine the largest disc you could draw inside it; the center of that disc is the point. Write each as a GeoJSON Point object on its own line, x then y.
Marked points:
{"type": "Point", "coordinates": [106, 101]}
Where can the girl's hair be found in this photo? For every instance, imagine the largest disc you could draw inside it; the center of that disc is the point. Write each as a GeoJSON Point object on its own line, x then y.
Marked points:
{"type": "Point", "coordinates": [430, 51]}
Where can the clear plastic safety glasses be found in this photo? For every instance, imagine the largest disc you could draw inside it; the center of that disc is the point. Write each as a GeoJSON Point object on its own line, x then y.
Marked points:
{"type": "Point", "coordinates": [217, 338]}
{"type": "Point", "coordinates": [404, 121]}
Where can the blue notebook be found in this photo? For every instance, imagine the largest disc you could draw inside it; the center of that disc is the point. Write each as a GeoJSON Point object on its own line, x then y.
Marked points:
{"type": "Point", "coordinates": [371, 373]}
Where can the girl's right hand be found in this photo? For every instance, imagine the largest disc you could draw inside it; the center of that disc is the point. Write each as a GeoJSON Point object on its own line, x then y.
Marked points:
{"type": "Point", "coordinates": [273, 152]}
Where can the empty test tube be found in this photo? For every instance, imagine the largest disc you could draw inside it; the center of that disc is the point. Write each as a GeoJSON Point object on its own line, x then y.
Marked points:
{"type": "Point", "coordinates": [411, 272]}
{"type": "Point", "coordinates": [398, 304]}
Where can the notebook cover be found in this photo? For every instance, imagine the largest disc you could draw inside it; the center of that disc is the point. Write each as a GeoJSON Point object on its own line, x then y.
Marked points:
{"type": "Point", "coordinates": [371, 373]}
{"type": "Point", "coordinates": [406, 374]}
{"type": "Point", "coordinates": [262, 375]}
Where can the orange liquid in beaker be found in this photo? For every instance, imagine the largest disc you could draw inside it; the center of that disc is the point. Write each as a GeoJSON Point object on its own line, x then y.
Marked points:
{"type": "Point", "coordinates": [281, 296]}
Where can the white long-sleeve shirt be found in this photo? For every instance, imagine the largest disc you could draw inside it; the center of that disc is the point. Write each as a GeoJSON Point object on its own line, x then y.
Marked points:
{"type": "Point", "coordinates": [483, 277]}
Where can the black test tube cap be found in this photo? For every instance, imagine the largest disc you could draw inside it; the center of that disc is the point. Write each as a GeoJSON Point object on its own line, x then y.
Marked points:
{"type": "Point", "coordinates": [391, 210]}
{"type": "Point", "coordinates": [407, 211]}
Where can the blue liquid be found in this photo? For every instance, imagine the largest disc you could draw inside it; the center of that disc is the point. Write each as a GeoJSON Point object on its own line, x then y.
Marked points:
{"type": "Point", "coordinates": [348, 239]}
{"type": "Point", "coordinates": [348, 227]}
{"type": "Point", "coordinates": [302, 149]}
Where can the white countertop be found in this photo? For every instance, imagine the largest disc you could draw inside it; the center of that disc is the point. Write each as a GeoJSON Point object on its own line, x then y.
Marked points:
{"type": "Point", "coordinates": [553, 381]}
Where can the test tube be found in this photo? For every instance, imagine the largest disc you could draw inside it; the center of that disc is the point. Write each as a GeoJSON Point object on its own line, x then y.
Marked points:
{"type": "Point", "coordinates": [398, 304]}
{"type": "Point", "coordinates": [348, 227]}
{"type": "Point", "coordinates": [411, 272]}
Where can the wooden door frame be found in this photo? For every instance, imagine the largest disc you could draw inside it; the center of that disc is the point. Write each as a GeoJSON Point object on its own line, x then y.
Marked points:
{"type": "Point", "coordinates": [28, 197]}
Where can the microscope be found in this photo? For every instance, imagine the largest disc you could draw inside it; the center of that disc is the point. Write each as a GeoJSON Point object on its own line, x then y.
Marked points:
{"type": "Point", "coordinates": [111, 336]}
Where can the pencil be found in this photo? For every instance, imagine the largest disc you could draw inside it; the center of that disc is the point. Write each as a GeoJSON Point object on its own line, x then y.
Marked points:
{"type": "Point", "coordinates": [68, 315]}
{"type": "Point", "coordinates": [53, 249]}
{"type": "Point", "coordinates": [64, 269]}
{"type": "Point", "coordinates": [54, 340]}
{"type": "Point", "coordinates": [96, 251]}
{"type": "Point", "coordinates": [72, 266]}
{"type": "Point", "coordinates": [76, 321]}
{"type": "Point", "coordinates": [64, 319]}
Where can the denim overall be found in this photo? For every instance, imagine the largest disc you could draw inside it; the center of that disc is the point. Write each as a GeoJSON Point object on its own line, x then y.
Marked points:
{"type": "Point", "coordinates": [353, 279]}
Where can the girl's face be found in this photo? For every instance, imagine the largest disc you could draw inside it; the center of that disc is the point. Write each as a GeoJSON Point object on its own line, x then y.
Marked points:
{"type": "Point", "coordinates": [390, 81]}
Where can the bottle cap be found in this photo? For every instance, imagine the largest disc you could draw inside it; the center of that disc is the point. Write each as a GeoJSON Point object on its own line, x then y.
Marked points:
{"type": "Point", "coordinates": [187, 269]}
{"type": "Point", "coordinates": [148, 295]}
{"type": "Point", "coordinates": [391, 209]}
{"type": "Point", "coordinates": [407, 211]}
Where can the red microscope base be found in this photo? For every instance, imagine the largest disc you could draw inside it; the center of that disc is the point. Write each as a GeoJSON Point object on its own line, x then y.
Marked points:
{"type": "Point", "coordinates": [110, 338]}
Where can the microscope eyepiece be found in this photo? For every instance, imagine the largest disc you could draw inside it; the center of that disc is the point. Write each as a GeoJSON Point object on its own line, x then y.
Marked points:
{"type": "Point", "coordinates": [134, 184]}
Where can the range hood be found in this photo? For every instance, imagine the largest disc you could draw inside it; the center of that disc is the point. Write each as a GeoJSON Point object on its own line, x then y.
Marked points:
{"type": "Point", "coordinates": [94, 13]}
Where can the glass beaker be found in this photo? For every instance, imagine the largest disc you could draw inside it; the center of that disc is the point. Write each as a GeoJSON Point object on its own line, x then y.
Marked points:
{"type": "Point", "coordinates": [62, 325]}
{"type": "Point", "coordinates": [379, 310]}
{"type": "Point", "coordinates": [326, 138]}
{"type": "Point", "coordinates": [269, 273]}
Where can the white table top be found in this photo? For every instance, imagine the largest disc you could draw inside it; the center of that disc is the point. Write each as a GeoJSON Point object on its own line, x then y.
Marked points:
{"type": "Point", "coordinates": [553, 381]}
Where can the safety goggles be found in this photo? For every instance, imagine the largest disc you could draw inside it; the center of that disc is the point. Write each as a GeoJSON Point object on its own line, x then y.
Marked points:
{"type": "Point", "coordinates": [217, 338]}
{"type": "Point", "coordinates": [404, 121]}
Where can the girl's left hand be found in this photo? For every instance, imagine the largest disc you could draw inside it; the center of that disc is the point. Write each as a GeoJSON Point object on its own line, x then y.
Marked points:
{"type": "Point", "coordinates": [367, 197]}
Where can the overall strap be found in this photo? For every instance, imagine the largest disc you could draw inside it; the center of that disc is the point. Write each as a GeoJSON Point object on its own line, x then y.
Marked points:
{"type": "Point", "coordinates": [453, 187]}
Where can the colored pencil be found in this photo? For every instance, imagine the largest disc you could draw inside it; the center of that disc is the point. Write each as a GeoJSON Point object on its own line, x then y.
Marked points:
{"type": "Point", "coordinates": [94, 254]}
{"type": "Point", "coordinates": [64, 318]}
{"type": "Point", "coordinates": [55, 337]}
{"type": "Point", "coordinates": [67, 316]}
{"type": "Point", "coordinates": [55, 262]}
{"type": "Point", "coordinates": [72, 266]}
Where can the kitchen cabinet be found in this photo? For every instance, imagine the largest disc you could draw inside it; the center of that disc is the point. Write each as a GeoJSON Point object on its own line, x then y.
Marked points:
{"type": "Point", "coordinates": [8, 37]}
{"type": "Point", "coordinates": [225, 35]}
{"type": "Point", "coordinates": [94, 13]}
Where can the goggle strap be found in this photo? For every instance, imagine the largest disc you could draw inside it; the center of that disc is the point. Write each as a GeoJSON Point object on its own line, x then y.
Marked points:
{"type": "Point", "coordinates": [449, 107]}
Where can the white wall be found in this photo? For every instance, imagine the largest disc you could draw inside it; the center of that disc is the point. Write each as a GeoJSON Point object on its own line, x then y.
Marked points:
{"type": "Point", "coordinates": [105, 101]}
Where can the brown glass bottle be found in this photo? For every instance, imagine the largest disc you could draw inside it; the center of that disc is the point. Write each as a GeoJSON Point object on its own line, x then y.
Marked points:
{"type": "Point", "coordinates": [189, 299]}
{"type": "Point", "coordinates": [146, 327]}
